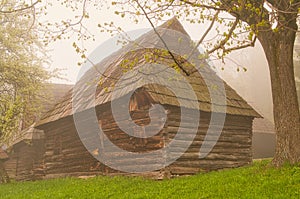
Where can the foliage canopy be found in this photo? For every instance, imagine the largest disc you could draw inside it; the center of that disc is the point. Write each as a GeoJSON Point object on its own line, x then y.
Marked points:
{"type": "Point", "coordinates": [21, 68]}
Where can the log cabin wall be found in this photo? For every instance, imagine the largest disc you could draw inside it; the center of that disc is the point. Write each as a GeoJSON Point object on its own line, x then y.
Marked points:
{"type": "Point", "coordinates": [140, 116]}
{"type": "Point", "coordinates": [4, 178]}
{"type": "Point", "coordinates": [11, 165]}
{"type": "Point", "coordinates": [66, 155]}
{"type": "Point", "coordinates": [3, 174]}
{"type": "Point", "coordinates": [38, 163]}
{"type": "Point", "coordinates": [233, 148]}
{"type": "Point", "coordinates": [23, 159]}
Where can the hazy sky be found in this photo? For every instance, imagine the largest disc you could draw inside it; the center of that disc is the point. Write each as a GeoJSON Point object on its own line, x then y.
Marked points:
{"type": "Point", "coordinates": [253, 85]}
{"type": "Point", "coordinates": [63, 55]}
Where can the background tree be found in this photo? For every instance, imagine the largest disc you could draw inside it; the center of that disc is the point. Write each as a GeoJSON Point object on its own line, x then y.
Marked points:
{"type": "Point", "coordinates": [297, 63]}
{"type": "Point", "coordinates": [21, 67]}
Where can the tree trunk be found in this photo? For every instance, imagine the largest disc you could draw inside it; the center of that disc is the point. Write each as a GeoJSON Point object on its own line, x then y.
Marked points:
{"type": "Point", "coordinates": [278, 47]}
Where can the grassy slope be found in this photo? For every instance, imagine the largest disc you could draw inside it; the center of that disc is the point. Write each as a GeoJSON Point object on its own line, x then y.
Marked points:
{"type": "Point", "coordinates": [257, 181]}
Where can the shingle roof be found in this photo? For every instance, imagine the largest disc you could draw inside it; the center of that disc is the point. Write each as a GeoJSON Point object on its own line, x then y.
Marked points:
{"type": "Point", "coordinates": [136, 52]}
{"type": "Point", "coordinates": [27, 135]}
{"type": "Point", "coordinates": [54, 92]}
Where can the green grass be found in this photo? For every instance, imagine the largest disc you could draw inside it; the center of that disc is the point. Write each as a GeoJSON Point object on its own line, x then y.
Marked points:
{"type": "Point", "coordinates": [256, 181]}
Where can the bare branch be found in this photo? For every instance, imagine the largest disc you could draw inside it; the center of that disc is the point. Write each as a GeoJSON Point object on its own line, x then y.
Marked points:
{"type": "Point", "coordinates": [162, 40]}
{"type": "Point", "coordinates": [224, 41]}
{"type": "Point", "coordinates": [77, 22]}
{"type": "Point", "coordinates": [205, 34]}
{"type": "Point", "coordinates": [20, 9]}
{"type": "Point", "coordinates": [251, 44]}
{"type": "Point", "coordinates": [194, 4]}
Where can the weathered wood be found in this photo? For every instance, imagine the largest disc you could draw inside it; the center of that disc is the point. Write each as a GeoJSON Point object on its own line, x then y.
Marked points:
{"type": "Point", "coordinates": [23, 158]}
{"type": "Point", "coordinates": [63, 146]}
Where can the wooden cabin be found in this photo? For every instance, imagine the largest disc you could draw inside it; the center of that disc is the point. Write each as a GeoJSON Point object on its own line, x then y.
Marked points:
{"type": "Point", "coordinates": [26, 150]}
{"type": "Point", "coordinates": [25, 154]}
{"type": "Point", "coordinates": [67, 155]}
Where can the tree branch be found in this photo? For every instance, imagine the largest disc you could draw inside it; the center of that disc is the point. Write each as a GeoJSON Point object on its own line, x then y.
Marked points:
{"type": "Point", "coordinates": [224, 41]}
{"type": "Point", "coordinates": [241, 47]}
{"type": "Point", "coordinates": [194, 4]}
{"type": "Point", "coordinates": [205, 34]}
{"type": "Point", "coordinates": [20, 9]}
{"type": "Point", "coordinates": [162, 40]}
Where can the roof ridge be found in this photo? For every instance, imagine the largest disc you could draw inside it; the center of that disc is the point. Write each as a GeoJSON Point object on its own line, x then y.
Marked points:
{"type": "Point", "coordinates": [174, 24]}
